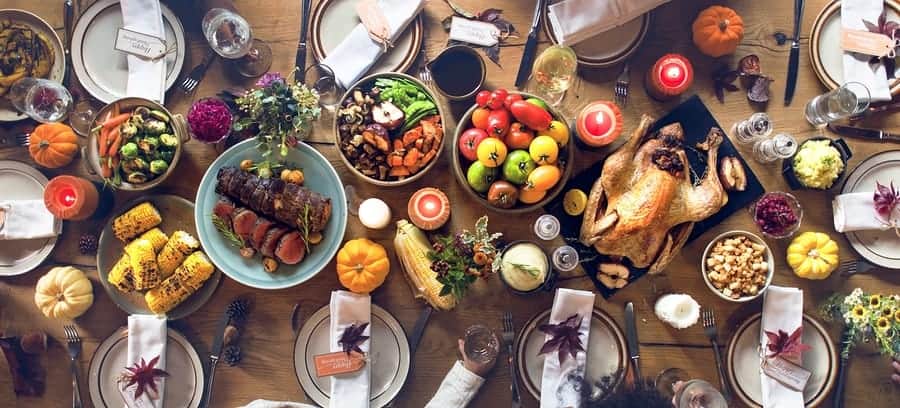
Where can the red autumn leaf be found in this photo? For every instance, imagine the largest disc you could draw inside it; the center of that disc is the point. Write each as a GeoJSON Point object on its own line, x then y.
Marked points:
{"type": "Point", "coordinates": [144, 374]}
{"type": "Point", "coordinates": [885, 198]}
{"type": "Point", "coordinates": [565, 337]}
{"type": "Point", "coordinates": [783, 344]}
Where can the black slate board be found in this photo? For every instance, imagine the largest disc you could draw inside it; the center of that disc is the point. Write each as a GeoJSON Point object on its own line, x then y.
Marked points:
{"type": "Point", "coordinates": [696, 120]}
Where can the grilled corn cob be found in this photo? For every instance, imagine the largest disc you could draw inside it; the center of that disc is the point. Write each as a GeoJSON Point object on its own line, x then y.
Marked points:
{"type": "Point", "coordinates": [156, 237]}
{"type": "Point", "coordinates": [175, 251]}
{"type": "Point", "coordinates": [121, 275]}
{"type": "Point", "coordinates": [143, 264]}
{"type": "Point", "coordinates": [195, 270]}
{"type": "Point", "coordinates": [167, 295]}
{"type": "Point", "coordinates": [135, 221]}
{"type": "Point", "coordinates": [412, 247]}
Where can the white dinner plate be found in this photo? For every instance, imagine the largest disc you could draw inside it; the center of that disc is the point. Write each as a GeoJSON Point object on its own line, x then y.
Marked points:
{"type": "Point", "coordinates": [389, 357]}
{"type": "Point", "coordinates": [184, 386]}
{"type": "Point", "coordinates": [744, 362]}
{"type": "Point", "coordinates": [607, 48]}
{"type": "Point", "coordinates": [102, 70]}
{"type": "Point", "coordinates": [607, 353]}
{"type": "Point", "coordinates": [7, 112]}
{"type": "Point", "coordinates": [23, 182]}
{"type": "Point", "coordinates": [882, 248]}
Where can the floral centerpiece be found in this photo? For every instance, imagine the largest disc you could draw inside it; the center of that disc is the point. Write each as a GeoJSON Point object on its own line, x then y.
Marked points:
{"type": "Point", "coordinates": [867, 318]}
{"type": "Point", "coordinates": [459, 259]}
{"type": "Point", "coordinates": [280, 112]}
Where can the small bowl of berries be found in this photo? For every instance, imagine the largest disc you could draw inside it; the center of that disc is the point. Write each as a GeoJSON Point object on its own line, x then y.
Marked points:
{"type": "Point", "coordinates": [777, 214]}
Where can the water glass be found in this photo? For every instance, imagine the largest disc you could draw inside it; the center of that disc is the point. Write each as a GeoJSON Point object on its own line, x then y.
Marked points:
{"type": "Point", "coordinates": [481, 344]}
{"type": "Point", "coordinates": [782, 146]}
{"type": "Point", "coordinates": [321, 78]}
{"type": "Point", "coordinates": [41, 99]}
{"type": "Point", "coordinates": [553, 72]}
{"type": "Point", "coordinates": [752, 129]}
{"type": "Point", "coordinates": [849, 99]}
{"type": "Point", "coordinates": [699, 394]}
{"type": "Point", "coordinates": [230, 36]}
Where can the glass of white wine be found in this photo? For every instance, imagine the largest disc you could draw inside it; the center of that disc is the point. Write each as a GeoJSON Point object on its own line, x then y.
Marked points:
{"type": "Point", "coordinates": [553, 73]}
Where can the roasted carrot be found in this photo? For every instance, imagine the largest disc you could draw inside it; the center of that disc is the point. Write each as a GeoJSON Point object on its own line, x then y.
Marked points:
{"type": "Point", "coordinates": [395, 160]}
{"type": "Point", "coordinates": [115, 142]}
{"type": "Point", "coordinates": [399, 172]}
{"type": "Point", "coordinates": [116, 120]}
{"type": "Point", "coordinates": [103, 142]}
{"type": "Point", "coordinates": [105, 169]}
{"type": "Point", "coordinates": [411, 157]}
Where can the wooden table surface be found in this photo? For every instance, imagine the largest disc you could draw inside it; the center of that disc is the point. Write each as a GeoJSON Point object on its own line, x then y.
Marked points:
{"type": "Point", "coordinates": [267, 370]}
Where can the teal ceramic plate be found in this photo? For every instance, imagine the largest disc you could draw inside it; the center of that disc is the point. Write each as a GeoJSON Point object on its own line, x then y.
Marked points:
{"type": "Point", "coordinates": [320, 176]}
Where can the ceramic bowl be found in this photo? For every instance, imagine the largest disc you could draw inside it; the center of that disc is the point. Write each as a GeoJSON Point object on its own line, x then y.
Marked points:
{"type": "Point", "coordinates": [770, 259]}
{"type": "Point", "coordinates": [787, 166]}
{"type": "Point", "coordinates": [546, 285]}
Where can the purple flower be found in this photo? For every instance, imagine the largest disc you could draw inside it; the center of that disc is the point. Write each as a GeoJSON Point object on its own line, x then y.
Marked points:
{"type": "Point", "coordinates": [269, 78]}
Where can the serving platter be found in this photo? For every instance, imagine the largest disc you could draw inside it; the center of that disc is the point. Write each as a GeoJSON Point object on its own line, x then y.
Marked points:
{"type": "Point", "coordinates": [744, 362]}
{"type": "Point", "coordinates": [177, 214]}
{"type": "Point", "coordinates": [320, 176]}
{"type": "Point", "coordinates": [389, 358]}
{"type": "Point", "coordinates": [183, 387]}
{"type": "Point", "coordinates": [607, 48]}
{"type": "Point", "coordinates": [825, 52]}
{"type": "Point", "coordinates": [881, 248]}
{"type": "Point", "coordinates": [7, 112]}
{"type": "Point", "coordinates": [101, 69]}
{"type": "Point", "coordinates": [21, 181]}
{"type": "Point", "coordinates": [607, 353]}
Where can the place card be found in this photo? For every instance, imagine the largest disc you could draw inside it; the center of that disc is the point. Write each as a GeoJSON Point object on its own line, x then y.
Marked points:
{"type": "Point", "coordinates": [790, 374]}
{"type": "Point", "coordinates": [338, 362]}
{"type": "Point", "coordinates": [864, 42]}
{"type": "Point", "coordinates": [140, 44]}
{"type": "Point", "coordinates": [474, 32]}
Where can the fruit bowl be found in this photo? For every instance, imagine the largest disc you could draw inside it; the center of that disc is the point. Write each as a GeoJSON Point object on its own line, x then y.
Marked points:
{"type": "Point", "coordinates": [512, 148]}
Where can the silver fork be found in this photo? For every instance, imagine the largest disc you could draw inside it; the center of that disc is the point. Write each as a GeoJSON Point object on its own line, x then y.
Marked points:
{"type": "Point", "coordinates": [621, 88]}
{"type": "Point", "coordinates": [425, 76]}
{"type": "Point", "coordinates": [509, 337]}
{"type": "Point", "coordinates": [854, 266]}
{"type": "Point", "coordinates": [73, 341]}
{"type": "Point", "coordinates": [709, 327]}
{"type": "Point", "coordinates": [18, 139]}
{"type": "Point", "coordinates": [189, 84]}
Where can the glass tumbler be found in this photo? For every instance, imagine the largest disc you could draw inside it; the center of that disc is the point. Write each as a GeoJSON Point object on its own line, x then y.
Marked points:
{"type": "Point", "coordinates": [41, 99]}
{"type": "Point", "coordinates": [849, 99]}
{"type": "Point", "coordinates": [321, 78]}
{"type": "Point", "coordinates": [481, 344]}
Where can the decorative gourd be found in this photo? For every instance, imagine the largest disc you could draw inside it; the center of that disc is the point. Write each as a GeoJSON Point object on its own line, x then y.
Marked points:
{"type": "Point", "coordinates": [52, 145]}
{"type": "Point", "coordinates": [362, 265]}
{"type": "Point", "coordinates": [64, 293]}
{"type": "Point", "coordinates": [717, 31]}
{"type": "Point", "coordinates": [813, 255]}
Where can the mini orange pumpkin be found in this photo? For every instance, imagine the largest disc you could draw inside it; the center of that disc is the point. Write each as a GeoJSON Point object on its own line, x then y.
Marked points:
{"type": "Point", "coordinates": [52, 145]}
{"type": "Point", "coordinates": [717, 31]}
{"type": "Point", "coordinates": [362, 265]}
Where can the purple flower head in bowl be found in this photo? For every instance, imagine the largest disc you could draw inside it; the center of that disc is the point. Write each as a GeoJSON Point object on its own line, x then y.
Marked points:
{"type": "Point", "coordinates": [269, 78]}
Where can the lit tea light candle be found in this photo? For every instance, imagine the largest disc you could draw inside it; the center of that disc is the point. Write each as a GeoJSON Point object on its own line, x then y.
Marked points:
{"type": "Point", "coordinates": [599, 123]}
{"type": "Point", "coordinates": [670, 76]}
{"type": "Point", "coordinates": [71, 198]}
{"type": "Point", "coordinates": [429, 208]}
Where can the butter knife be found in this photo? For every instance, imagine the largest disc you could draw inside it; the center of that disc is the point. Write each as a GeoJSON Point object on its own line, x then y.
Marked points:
{"type": "Point", "coordinates": [419, 329]}
{"type": "Point", "coordinates": [300, 59]}
{"type": "Point", "coordinates": [863, 133]}
{"type": "Point", "coordinates": [530, 46]}
{"type": "Point", "coordinates": [214, 354]}
{"type": "Point", "coordinates": [794, 58]}
{"type": "Point", "coordinates": [631, 335]}
{"type": "Point", "coordinates": [68, 17]}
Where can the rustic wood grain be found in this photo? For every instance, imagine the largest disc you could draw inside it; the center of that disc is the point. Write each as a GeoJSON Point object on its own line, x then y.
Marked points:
{"type": "Point", "coordinates": [267, 369]}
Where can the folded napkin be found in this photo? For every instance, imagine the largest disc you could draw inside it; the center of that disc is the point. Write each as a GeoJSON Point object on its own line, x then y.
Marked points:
{"type": "Point", "coordinates": [856, 67]}
{"type": "Point", "coordinates": [856, 212]}
{"type": "Point", "coordinates": [350, 390]}
{"type": "Point", "coordinates": [147, 336]}
{"type": "Point", "coordinates": [358, 52]}
{"type": "Point", "coordinates": [26, 219]}
{"type": "Point", "coordinates": [782, 310]}
{"type": "Point", "coordinates": [574, 21]}
{"type": "Point", "coordinates": [146, 78]}
{"type": "Point", "coordinates": [275, 404]}
{"type": "Point", "coordinates": [560, 382]}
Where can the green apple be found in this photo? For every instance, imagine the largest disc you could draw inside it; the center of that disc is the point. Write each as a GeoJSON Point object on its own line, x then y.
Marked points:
{"type": "Point", "coordinates": [518, 166]}
{"type": "Point", "coordinates": [480, 176]}
{"type": "Point", "coordinates": [538, 102]}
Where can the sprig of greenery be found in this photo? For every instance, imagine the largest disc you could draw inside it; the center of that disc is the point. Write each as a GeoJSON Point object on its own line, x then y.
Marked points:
{"type": "Point", "coordinates": [529, 269]}
{"type": "Point", "coordinates": [304, 224]}
{"type": "Point", "coordinates": [222, 226]}
{"type": "Point", "coordinates": [457, 268]}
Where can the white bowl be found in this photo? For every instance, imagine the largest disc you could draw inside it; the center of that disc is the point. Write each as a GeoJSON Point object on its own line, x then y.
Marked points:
{"type": "Point", "coordinates": [770, 260]}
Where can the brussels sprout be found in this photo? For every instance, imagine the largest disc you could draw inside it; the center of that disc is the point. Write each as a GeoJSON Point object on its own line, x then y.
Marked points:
{"type": "Point", "coordinates": [166, 155]}
{"type": "Point", "coordinates": [158, 166]}
{"type": "Point", "coordinates": [159, 115]}
{"type": "Point", "coordinates": [168, 140]}
{"type": "Point", "coordinates": [136, 178]}
{"type": "Point", "coordinates": [154, 127]}
{"type": "Point", "coordinates": [128, 130]}
{"type": "Point", "coordinates": [135, 165]}
{"type": "Point", "coordinates": [129, 150]}
{"type": "Point", "coordinates": [148, 144]}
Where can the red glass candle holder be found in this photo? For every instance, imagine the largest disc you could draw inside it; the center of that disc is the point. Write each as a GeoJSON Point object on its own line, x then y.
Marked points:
{"type": "Point", "coordinates": [71, 198]}
{"type": "Point", "coordinates": [670, 76]}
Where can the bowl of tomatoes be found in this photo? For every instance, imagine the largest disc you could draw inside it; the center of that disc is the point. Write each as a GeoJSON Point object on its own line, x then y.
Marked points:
{"type": "Point", "coordinates": [513, 151]}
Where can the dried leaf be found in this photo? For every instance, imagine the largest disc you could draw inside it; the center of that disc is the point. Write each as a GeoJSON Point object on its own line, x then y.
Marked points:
{"type": "Point", "coordinates": [782, 344]}
{"type": "Point", "coordinates": [723, 80]}
{"type": "Point", "coordinates": [565, 337]}
{"type": "Point", "coordinates": [144, 374]}
{"type": "Point", "coordinates": [490, 15]}
{"type": "Point", "coordinates": [493, 53]}
{"type": "Point", "coordinates": [759, 90]}
{"type": "Point", "coordinates": [871, 27]}
{"type": "Point", "coordinates": [353, 337]}
{"type": "Point", "coordinates": [460, 10]}
{"type": "Point", "coordinates": [885, 198]}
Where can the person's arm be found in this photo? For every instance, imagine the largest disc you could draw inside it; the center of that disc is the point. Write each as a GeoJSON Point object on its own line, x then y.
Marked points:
{"type": "Point", "coordinates": [895, 377]}
{"type": "Point", "coordinates": [461, 383]}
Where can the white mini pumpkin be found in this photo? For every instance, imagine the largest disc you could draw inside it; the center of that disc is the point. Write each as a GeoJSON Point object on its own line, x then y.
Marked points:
{"type": "Point", "coordinates": [64, 292]}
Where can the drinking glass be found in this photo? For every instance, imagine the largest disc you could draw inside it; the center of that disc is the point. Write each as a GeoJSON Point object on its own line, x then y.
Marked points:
{"type": "Point", "coordinates": [849, 99]}
{"type": "Point", "coordinates": [82, 115]}
{"type": "Point", "coordinates": [481, 344]}
{"type": "Point", "coordinates": [321, 78]}
{"type": "Point", "coordinates": [41, 99]}
{"type": "Point", "coordinates": [230, 36]}
{"type": "Point", "coordinates": [699, 394]}
{"type": "Point", "coordinates": [782, 146]}
{"type": "Point", "coordinates": [748, 131]}
{"type": "Point", "coordinates": [553, 73]}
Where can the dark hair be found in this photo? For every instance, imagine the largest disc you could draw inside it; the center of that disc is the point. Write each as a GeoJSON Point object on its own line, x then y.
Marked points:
{"type": "Point", "coordinates": [639, 395]}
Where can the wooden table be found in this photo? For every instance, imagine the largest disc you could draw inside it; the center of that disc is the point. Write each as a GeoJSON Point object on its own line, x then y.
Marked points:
{"type": "Point", "coordinates": [267, 370]}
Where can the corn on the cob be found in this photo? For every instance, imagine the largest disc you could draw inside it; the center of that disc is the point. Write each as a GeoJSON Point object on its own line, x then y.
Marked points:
{"type": "Point", "coordinates": [412, 247]}
{"type": "Point", "coordinates": [195, 270]}
{"type": "Point", "coordinates": [136, 221]}
{"type": "Point", "coordinates": [121, 275]}
{"type": "Point", "coordinates": [167, 295]}
{"type": "Point", "coordinates": [156, 237]}
{"type": "Point", "coordinates": [175, 251]}
{"type": "Point", "coordinates": [143, 264]}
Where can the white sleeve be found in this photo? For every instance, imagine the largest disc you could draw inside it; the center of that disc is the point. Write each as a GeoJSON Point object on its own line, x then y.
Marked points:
{"type": "Point", "coordinates": [457, 389]}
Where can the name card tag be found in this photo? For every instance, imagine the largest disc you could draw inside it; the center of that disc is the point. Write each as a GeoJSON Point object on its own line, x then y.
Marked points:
{"type": "Point", "coordinates": [338, 363]}
{"type": "Point", "coordinates": [474, 32]}
{"type": "Point", "coordinates": [864, 42]}
{"type": "Point", "coordinates": [140, 44]}
{"type": "Point", "coordinates": [790, 374]}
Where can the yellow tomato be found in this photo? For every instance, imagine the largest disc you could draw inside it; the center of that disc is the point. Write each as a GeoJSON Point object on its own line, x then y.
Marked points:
{"type": "Point", "coordinates": [559, 132]}
{"type": "Point", "coordinates": [527, 196]}
{"type": "Point", "coordinates": [574, 202]}
{"type": "Point", "coordinates": [543, 150]}
{"type": "Point", "coordinates": [491, 152]}
{"type": "Point", "coordinates": [543, 178]}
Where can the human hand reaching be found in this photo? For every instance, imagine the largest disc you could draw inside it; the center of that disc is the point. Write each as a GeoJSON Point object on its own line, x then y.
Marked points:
{"type": "Point", "coordinates": [476, 367]}
{"type": "Point", "coordinates": [895, 377]}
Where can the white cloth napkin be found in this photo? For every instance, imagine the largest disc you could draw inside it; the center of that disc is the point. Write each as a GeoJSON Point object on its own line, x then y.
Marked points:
{"type": "Point", "coordinates": [856, 212]}
{"type": "Point", "coordinates": [147, 336]}
{"type": "Point", "coordinates": [352, 388]}
{"type": "Point", "coordinates": [555, 393]}
{"type": "Point", "coordinates": [782, 310]}
{"type": "Point", "coordinates": [574, 21]}
{"type": "Point", "coordinates": [26, 219]}
{"type": "Point", "coordinates": [146, 78]}
{"type": "Point", "coordinates": [358, 52]}
{"type": "Point", "coordinates": [275, 404]}
{"type": "Point", "coordinates": [856, 67]}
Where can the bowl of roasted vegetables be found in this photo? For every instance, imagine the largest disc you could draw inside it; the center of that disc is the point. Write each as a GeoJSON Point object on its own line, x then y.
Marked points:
{"type": "Point", "coordinates": [135, 143]}
{"type": "Point", "coordinates": [389, 129]}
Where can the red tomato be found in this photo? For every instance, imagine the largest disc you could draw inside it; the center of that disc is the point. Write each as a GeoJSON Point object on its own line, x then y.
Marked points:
{"type": "Point", "coordinates": [510, 99]}
{"type": "Point", "coordinates": [531, 115]}
{"type": "Point", "coordinates": [498, 123]}
{"type": "Point", "coordinates": [497, 98]}
{"type": "Point", "coordinates": [482, 98]}
{"type": "Point", "coordinates": [519, 137]}
{"type": "Point", "coordinates": [480, 118]}
{"type": "Point", "coordinates": [468, 142]}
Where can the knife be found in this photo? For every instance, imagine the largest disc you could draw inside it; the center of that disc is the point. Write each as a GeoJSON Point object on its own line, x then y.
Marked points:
{"type": "Point", "coordinates": [863, 133]}
{"type": "Point", "coordinates": [634, 349]}
{"type": "Point", "coordinates": [419, 329]}
{"type": "Point", "coordinates": [300, 59]}
{"type": "Point", "coordinates": [214, 354]}
{"type": "Point", "coordinates": [68, 16]}
{"type": "Point", "coordinates": [794, 59]}
{"type": "Point", "coordinates": [530, 46]}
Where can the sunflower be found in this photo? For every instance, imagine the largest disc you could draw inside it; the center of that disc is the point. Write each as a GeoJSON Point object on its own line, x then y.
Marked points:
{"type": "Point", "coordinates": [897, 316]}
{"type": "Point", "coordinates": [874, 301]}
{"type": "Point", "coordinates": [882, 324]}
{"type": "Point", "coordinates": [859, 313]}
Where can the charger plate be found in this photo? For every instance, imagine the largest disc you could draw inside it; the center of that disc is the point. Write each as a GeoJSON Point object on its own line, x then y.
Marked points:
{"type": "Point", "coordinates": [607, 48]}
{"type": "Point", "coordinates": [881, 248]}
{"type": "Point", "coordinates": [23, 182]}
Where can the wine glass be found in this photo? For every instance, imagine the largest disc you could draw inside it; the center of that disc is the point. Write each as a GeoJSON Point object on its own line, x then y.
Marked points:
{"type": "Point", "coordinates": [82, 115]}
{"type": "Point", "coordinates": [698, 394]}
{"type": "Point", "coordinates": [41, 99]}
{"type": "Point", "coordinates": [321, 78]}
{"type": "Point", "coordinates": [553, 73]}
{"type": "Point", "coordinates": [230, 36]}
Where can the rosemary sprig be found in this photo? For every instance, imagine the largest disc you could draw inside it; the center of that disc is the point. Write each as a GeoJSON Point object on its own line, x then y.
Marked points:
{"type": "Point", "coordinates": [531, 270]}
{"type": "Point", "coordinates": [222, 225]}
{"type": "Point", "coordinates": [305, 224]}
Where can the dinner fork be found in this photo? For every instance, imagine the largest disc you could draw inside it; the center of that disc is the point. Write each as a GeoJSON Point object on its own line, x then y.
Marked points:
{"type": "Point", "coordinates": [425, 76]}
{"type": "Point", "coordinates": [854, 266]}
{"type": "Point", "coordinates": [509, 337]}
{"type": "Point", "coordinates": [621, 88]}
{"type": "Point", "coordinates": [18, 139]}
{"type": "Point", "coordinates": [196, 75]}
{"type": "Point", "coordinates": [73, 341]}
{"type": "Point", "coordinates": [709, 327]}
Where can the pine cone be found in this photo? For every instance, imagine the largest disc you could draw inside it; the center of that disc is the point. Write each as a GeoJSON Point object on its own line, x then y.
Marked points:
{"type": "Point", "coordinates": [238, 309]}
{"type": "Point", "coordinates": [232, 355]}
{"type": "Point", "coordinates": [87, 244]}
